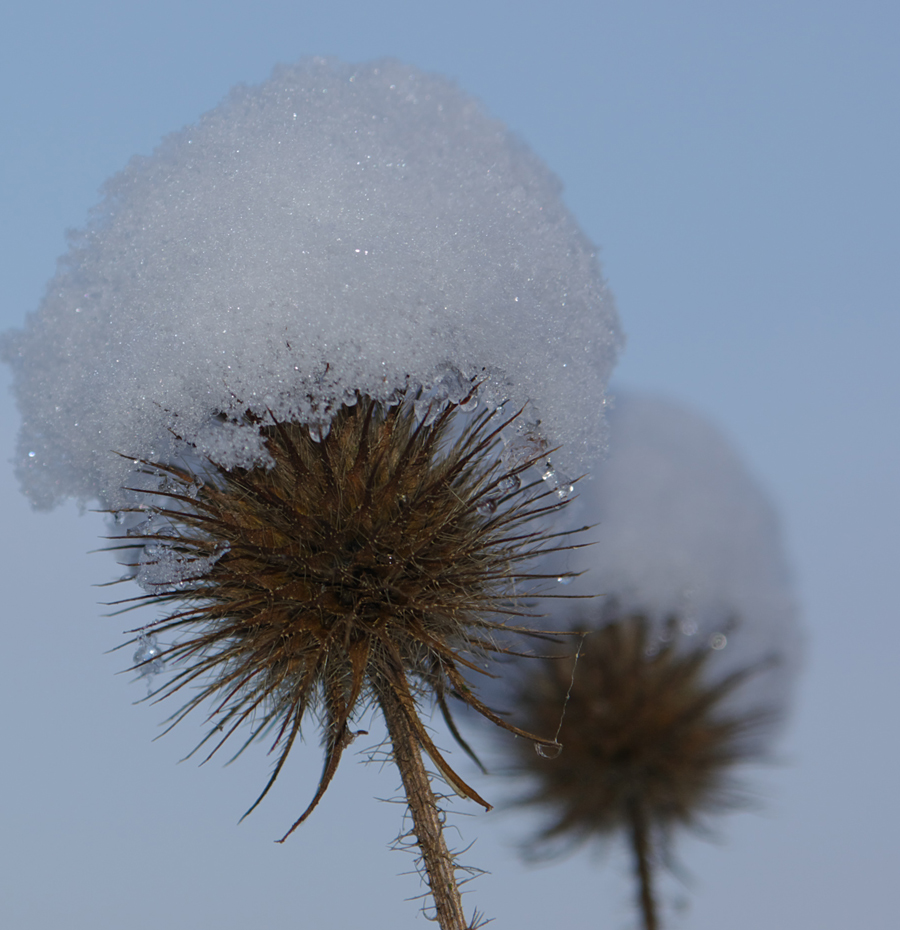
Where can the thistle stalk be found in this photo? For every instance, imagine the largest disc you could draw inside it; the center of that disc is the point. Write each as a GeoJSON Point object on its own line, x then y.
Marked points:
{"type": "Point", "coordinates": [437, 859]}
{"type": "Point", "coordinates": [641, 847]}
{"type": "Point", "coordinates": [651, 738]}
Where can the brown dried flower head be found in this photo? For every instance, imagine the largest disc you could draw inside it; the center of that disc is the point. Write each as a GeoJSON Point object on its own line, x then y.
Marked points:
{"type": "Point", "coordinates": [643, 727]}
{"type": "Point", "coordinates": [650, 740]}
{"type": "Point", "coordinates": [366, 566]}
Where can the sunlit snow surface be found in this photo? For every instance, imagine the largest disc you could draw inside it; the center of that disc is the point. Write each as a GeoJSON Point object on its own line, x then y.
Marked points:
{"type": "Point", "coordinates": [337, 228]}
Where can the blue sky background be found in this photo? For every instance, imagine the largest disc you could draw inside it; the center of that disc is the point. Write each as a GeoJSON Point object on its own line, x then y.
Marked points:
{"type": "Point", "coordinates": [738, 166]}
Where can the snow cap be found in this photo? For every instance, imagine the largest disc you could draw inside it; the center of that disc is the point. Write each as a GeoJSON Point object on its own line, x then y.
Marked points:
{"type": "Point", "coordinates": [336, 229]}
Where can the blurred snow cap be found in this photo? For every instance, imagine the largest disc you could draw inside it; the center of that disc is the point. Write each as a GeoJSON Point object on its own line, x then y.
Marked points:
{"type": "Point", "coordinates": [336, 229]}
{"type": "Point", "coordinates": [682, 530]}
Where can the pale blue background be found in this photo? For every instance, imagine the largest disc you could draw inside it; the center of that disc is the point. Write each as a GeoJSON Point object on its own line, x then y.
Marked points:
{"type": "Point", "coordinates": [738, 165]}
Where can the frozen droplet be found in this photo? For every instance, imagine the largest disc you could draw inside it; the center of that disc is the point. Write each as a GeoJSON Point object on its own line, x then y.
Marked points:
{"type": "Point", "coordinates": [509, 483]}
{"type": "Point", "coordinates": [31, 455]}
{"type": "Point", "coordinates": [486, 506]}
{"type": "Point", "coordinates": [169, 486]}
{"type": "Point", "coordinates": [718, 641]}
{"type": "Point", "coordinates": [468, 404]}
{"type": "Point", "coordinates": [428, 408]}
{"type": "Point", "coordinates": [319, 431]}
{"type": "Point", "coordinates": [144, 528]}
{"type": "Point", "coordinates": [565, 579]}
{"type": "Point", "coordinates": [688, 627]}
{"type": "Point", "coordinates": [524, 450]}
{"type": "Point", "coordinates": [548, 752]}
{"type": "Point", "coordinates": [163, 568]}
{"type": "Point", "coordinates": [120, 517]}
{"type": "Point", "coordinates": [147, 657]}
{"type": "Point", "coordinates": [564, 485]}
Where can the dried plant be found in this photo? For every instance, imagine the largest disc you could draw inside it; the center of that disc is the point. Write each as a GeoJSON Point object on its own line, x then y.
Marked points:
{"type": "Point", "coordinates": [650, 740]}
{"type": "Point", "coordinates": [243, 307]}
{"type": "Point", "coordinates": [368, 566]}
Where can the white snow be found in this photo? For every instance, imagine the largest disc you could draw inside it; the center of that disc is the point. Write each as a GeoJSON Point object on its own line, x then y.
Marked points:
{"type": "Point", "coordinates": [337, 228]}
{"type": "Point", "coordinates": [164, 568]}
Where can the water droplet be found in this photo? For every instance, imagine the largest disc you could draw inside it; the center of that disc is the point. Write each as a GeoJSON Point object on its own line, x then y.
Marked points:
{"type": "Point", "coordinates": [564, 485]}
{"type": "Point", "coordinates": [548, 752]}
{"type": "Point", "coordinates": [509, 483]}
{"type": "Point", "coordinates": [486, 506]}
{"type": "Point", "coordinates": [688, 627]}
{"type": "Point", "coordinates": [718, 641]}
{"type": "Point", "coordinates": [31, 455]}
{"type": "Point", "coordinates": [148, 655]}
{"type": "Point", "coordinates": [566, 579]}
{"type": "Point", "coordinates": [319, 431]}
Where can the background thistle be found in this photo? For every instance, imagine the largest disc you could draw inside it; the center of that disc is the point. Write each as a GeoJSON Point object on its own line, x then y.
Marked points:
{"type": "Point", "coordinates": [682, 668]}
{"type": "Point", "coordinates": [647, 746]}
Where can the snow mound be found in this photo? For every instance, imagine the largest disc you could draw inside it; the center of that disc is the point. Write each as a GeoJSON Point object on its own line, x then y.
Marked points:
{"type": "Point", "coordinates": [336, 229]}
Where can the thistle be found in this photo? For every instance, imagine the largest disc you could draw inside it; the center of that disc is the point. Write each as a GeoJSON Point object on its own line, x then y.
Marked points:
{"type": "Point", "coordinates": [368, 566]}
{"type": "Point", "coordinates": [685, 664]}
{"type": "Point", "coordinates": [649, 740]}
{"type": "Point", "coordinates": [242, 309]}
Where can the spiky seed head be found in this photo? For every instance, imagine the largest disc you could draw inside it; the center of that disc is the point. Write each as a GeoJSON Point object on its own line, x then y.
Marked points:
{"type": "Point", "coordinates": [646, 726]}
{"type": "Point", "coordinates": [384, 556]}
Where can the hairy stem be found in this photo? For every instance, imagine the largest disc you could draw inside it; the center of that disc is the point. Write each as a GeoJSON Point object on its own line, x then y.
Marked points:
{"type": "Point", "coordinates": [426, 818]}
{"type": "Point", "coordinates": [640, 846]}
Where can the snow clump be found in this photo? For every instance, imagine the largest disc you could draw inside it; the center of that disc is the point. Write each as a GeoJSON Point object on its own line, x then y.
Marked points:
{"type": "Point", "coordinates": [337, 229]}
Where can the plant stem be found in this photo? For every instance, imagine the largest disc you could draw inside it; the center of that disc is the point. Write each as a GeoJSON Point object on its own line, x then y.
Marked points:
{"type": "Point", "coordinates": [640, 846]}
{"type": "Point", "coordinates": [426, 818]}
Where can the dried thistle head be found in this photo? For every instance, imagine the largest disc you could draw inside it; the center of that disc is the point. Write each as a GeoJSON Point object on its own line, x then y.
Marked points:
{"type": "Point", "coordinates": [646, 725]}
{"type": "Point", "coordinates": [369, 565]}
{"type": "Point", "coordinates": [650, 739]}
